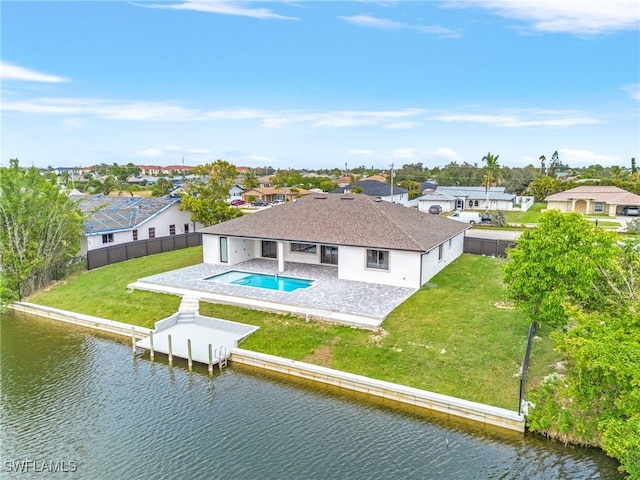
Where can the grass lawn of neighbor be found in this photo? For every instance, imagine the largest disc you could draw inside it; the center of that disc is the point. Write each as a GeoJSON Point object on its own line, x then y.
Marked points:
{"type": "Point", "coordinates": [456, 336]}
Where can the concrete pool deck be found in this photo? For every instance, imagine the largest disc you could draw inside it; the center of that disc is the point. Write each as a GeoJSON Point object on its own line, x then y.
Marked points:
{"type": "Point", "coordinates": [359, 304]}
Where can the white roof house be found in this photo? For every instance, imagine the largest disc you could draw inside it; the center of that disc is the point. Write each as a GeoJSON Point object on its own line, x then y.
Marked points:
{"type": "Point", "coordinates": [467, 198]}
{"type": "Point", "coordinates": [112, 220]}
{"type": "Point", "coordinates": [363, 238]}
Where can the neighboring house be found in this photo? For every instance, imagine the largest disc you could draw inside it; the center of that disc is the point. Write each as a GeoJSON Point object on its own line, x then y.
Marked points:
{"type": "Point", "coordinates": [114, 220]}
{"type": "Point", "coordinates": [467, 198]}
{"type": "Point", "coordinates": [236, 191]}
{"type": "Point", "coordinates": [365, 239]}
{"type": "Point", "coordinates": [378, 189]}
{"type": "Point", "coordinates": [271, 194]}
{"type": "Point", "coordinates": [593, 199]}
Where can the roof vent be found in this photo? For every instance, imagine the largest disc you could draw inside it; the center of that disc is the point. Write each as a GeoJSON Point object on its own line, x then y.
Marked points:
{"type": "Point", "coordinates": [347, 197]}
{"type": "Point", "coordinates": [320, 197]}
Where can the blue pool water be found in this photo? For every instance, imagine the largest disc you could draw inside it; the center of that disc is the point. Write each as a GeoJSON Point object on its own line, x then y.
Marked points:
{"type": "Point", "coordinates": [261, 280]}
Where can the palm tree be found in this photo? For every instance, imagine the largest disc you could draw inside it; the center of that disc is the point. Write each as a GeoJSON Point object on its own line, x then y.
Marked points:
{"type": "Point", "coordinates": [542, 159]}
{"type": "Point", "coordinates": [491, 173]}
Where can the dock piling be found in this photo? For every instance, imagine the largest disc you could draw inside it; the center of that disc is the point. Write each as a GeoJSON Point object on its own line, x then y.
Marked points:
{"type": "Point", "coordinates": [190, 361]}
{"type": "Point", "coordinates": [170, 351]}
{"type": "Point", "coordinates": [210, 360]}
{"type": "Point", "coordinates": [151, 351]}
{"type": "Point", "coordinates": [133, 340]}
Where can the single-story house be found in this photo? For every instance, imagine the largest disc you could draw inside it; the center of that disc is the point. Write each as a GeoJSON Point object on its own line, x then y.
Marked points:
{"type": "Point", "coordinates": [363, 238]}
{"type": "Point", "coordinates": [271, 194]}
{"type": "Point", "coordinates": [112, 220]}
{"type": "Point", "coordinates": [467, 198]}
{"type": "Point", "coordinates": [593, 199]}
{"type": "Point", "coordinates": [378, 189]}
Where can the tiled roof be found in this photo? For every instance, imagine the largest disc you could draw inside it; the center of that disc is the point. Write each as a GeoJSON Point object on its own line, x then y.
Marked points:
{"type": "Point", "coordinates": [110, 213]}
{"type": "Point", "coordinates": [607, 194]}
{"type": "Point", "coordinates": [373, 188]}
{"type": "Point", "coordinates": [477, 193]}
{"type": "Point", "coordinates": [356, 220]}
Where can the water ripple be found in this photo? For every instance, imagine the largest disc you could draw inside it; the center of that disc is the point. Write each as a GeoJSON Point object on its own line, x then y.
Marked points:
{"type": "Point", "coordinates": [69, 394]}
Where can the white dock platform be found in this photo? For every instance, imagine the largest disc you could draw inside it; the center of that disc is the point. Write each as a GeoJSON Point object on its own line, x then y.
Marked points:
{"type": "Point", "coordinates": [222, 342]}
{"type": "Point", "coordinates": [188, 326]}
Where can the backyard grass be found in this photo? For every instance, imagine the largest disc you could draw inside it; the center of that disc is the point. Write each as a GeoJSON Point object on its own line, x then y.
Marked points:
{"type": "Point", "coordinates": [449, 337]}
{"type": "Point", "coordinates": [530, 216]}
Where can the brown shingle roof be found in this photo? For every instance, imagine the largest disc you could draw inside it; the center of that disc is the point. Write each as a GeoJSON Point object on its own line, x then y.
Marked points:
{"type": "Point", "coordinates": [356, 220]}
{"type": "Point", "coordinates": [607, 194]}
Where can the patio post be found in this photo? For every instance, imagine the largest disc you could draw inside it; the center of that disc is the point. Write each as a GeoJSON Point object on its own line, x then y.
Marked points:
{"type": "Point", "coordinates": [280, 249]}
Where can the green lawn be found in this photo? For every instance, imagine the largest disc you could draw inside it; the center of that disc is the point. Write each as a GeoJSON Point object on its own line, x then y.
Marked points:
{"type": "Point", "coordinates": [530, 216]}
{"type": "Point", "coordinates": [450, 338]}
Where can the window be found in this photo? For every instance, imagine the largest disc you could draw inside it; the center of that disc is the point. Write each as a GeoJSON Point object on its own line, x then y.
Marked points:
{"type": "Point", "coordinates": [186, 228]}
{"type": "Point", "coordinates": [107, 238]}
{"type": "Point", "coordinates": [152, 232]}
{"type": "Point", "coordinates": [269, 249]}
{"type": "Point", "coordinates": [449, 244]}
{"type": "Point", "coordinates": [135, 235]}
{"type": "Point", "coordinates": [329, 255]}
{"type": "Point", "coordinates": [303, 247]}
{"type": "Point", "coordinates": [440, 251]}
{"type": "Point", "coordinates": [224, 250]}
{"type": "Point", "coordinates": [378, 259]}
{"type": "Point", "coordinates": [172, 229]}
{"type": "Point", "coordinates": [598, 207]}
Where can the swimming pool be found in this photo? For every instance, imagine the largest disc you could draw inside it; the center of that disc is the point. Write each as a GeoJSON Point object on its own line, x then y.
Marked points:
{"type": "Point", "coordinates": [261, 280]}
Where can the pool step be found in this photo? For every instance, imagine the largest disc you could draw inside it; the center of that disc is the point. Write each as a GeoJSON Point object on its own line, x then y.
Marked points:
{"type": "Point", "coordinates": [189, 308]}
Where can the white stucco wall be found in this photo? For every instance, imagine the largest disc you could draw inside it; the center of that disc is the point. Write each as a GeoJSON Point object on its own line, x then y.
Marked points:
{"type": "Point", "coordinates": [161, 222]}
{"type": "Point", "coordinates": [238, 250]}
{"type": "Point", "coordinates": [432, 264]}
{"type": "Point", "coordinates": [404, 267]}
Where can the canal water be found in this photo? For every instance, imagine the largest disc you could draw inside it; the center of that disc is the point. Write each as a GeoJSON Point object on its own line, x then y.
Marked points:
{"type": "Point", "coordinates": [80, 402]}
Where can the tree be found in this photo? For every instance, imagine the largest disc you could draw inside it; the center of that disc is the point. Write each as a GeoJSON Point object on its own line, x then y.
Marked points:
{"type": "Point", "coordinates": [554, 164]}
{"type": "Point", "coordinates": [557, 262]}
{"type": "Point", "coordinates": [543, 169]}
{"type": "Point", "coordinates": [597, 401]}
{"type": "Point", "coordinates": [40, 227]}
{"type": "Point", "coordinates": [250, 179]}
{"type": "Point", "coordinates": [206, 196]}
{"type": "Point", "coordinates": [162, 187]}
{"type": "Point", "coordinates": [413, 187]}
{"type": "Point", "coordinates": [491, 173]}
{"type": "Point", "coordinates": [545, 186]}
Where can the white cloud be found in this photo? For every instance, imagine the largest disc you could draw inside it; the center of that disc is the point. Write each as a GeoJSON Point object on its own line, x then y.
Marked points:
{"type": "Point", "coordinates": [633, 89]}
{"type": "Point", "coordinates": [407, 153]}
{"type": "Point", "coordinates": [150, 152]}
{"type": "Point", "coordinates": [589, 17]}
{"type": "Point", "coordinates": [171, 150]}
{"type": "Point", "coordinates": [359, 151]}
{"type": "Point", "coordinates": [14, 72]}
{"type": "Point", "coordinates": [223, 7]}
{"type": "Point", "coordinates": [386, 24]}
{"type": "Point", "coordinates": [444, 153]}
{"type": "Point", "coordinates": [523, 118]}
{"type": "Point", "coordinates": [576, 157]}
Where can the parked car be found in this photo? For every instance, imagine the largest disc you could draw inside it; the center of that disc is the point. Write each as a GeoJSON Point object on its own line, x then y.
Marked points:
{"type": "Point", "coordinates": [237, 202]}
{"type": "Point", "coordinates": [259, 203]}
{"type": "Point", "coordinates": [631, 211]}
{"type": "Point", "coordinates": [466, 217]}
{"type": "Point", "coordinates": [485, 219]}
{"type": "Point", "coordinates": [277, 202]}
{"type": "Point", "coordinates": [435, 209]}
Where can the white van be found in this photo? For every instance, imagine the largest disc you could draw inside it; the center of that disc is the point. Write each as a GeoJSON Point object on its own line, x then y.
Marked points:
{"type": "Point", "coordinates": [467, 217]}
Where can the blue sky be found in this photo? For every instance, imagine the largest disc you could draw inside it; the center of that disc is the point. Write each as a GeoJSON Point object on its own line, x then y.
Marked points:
{"type": "Point", "coordinates": [317, 84]}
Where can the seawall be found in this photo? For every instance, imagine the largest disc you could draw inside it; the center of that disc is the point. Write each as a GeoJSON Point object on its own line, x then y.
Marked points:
{"type": "Point", "coordinates": [477, 412]}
